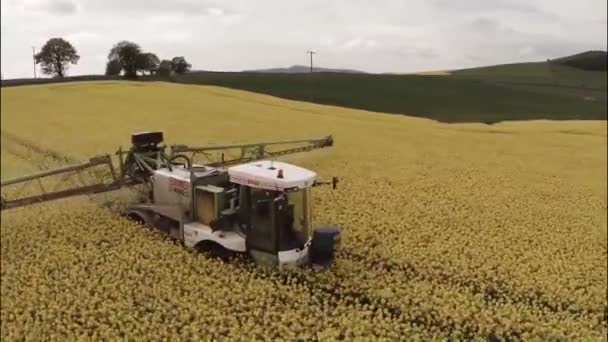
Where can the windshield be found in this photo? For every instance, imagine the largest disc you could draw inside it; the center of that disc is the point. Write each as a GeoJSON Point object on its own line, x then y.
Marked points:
{"type": "Point", "coordinates": [278, 220]}
{"type": "Point", "coordinates": [300, 200]}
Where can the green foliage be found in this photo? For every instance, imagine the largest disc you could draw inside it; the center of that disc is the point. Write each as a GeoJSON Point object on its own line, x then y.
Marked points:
{"type": "Point", "coordinates": [113, 67]}
{"type": "Point", "coordinates": [127, 53]}
{"type": "Point", "coordinates": [56, 56]}
{"type": "Point", "coordinates": [148, 62]}
{"type": "Point", "coordinates": [132, 59]}
{"type": "Point", "coordinates": [180, 65]}
{"type": "Point", "coordinates": [164, 68]}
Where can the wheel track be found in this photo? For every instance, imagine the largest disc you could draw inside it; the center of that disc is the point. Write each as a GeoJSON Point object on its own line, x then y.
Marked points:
{"type": "Point", "coordinates": [34, 149]}
{"type": "Point", "coordinates": [497, 291]}
{"type": "Point", "coordinates": [41, 158]}
{"type": "Point", "coordinates": [335, 293]}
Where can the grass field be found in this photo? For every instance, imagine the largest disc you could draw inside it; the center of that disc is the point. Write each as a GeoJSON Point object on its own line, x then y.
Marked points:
{"type": "Point", "coordinates": [544, 78]}
{"type": "Point", "coordinates": [449, 230]}
{"type": "Point", "coordinates": [527, 91]}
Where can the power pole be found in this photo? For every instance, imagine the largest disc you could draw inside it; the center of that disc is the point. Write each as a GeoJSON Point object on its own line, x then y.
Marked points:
{"type": "Point", "coordinates": [34, 57]}
{"type": "Point", "coordinates": [310, 53]}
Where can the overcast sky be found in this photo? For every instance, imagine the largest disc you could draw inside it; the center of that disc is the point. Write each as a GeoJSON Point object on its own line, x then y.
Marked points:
{"type": "Point", "coordinates": [374, 36]}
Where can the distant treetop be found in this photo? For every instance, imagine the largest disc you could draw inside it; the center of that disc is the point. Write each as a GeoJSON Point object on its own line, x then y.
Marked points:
{"type": "Point", "coordinates": [56, 56]}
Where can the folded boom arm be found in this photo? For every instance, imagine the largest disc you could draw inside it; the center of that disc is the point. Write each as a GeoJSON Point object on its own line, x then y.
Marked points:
{"type": "Point", "coordinates": [137, 166]}
{"type": "Point", "coordinates": [250, 152]}
{"type": "Point", "coordinates": [85, 184]}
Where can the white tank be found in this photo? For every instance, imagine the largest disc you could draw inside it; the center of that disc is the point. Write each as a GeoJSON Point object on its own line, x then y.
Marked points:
{"type": "Point", "coordinates": [172, 188]}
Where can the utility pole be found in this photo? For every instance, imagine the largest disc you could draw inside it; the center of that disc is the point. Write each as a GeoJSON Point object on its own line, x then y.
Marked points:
{"type": "Point", "coordinates": [34, 57]}
{"type": "Point", "coordinates": [310, 53]}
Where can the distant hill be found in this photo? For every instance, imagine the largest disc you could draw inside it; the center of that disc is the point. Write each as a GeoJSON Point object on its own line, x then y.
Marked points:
{"type": "Point", "coordinates": [522, 91]}
{"type": "Point", "coordinates": [302, 69]}
{"type": "Point", "coordinates": [539, 76]}
{"type": "Point", "coordinates": [589, 60]}
{"type": "Point", "coordinates": [553, 90]}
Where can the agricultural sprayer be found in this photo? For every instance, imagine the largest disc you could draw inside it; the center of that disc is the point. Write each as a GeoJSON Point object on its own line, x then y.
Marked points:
{"type": "Point", "coordinates": [249, 204]}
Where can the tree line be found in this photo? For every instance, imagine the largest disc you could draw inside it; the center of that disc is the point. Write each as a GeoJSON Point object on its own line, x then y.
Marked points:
{"type": "Point", "coordinates": [125, 58]}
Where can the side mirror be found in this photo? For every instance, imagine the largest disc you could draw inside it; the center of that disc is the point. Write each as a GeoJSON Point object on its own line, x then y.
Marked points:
{"type": "Point", "coordinates": [334, 183]}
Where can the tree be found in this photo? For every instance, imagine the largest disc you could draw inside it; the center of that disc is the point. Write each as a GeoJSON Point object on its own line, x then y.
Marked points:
{"type": "Point", "coordinates": [56, 56]}
{"type": "Point", "coordinates": [148, 62]}
{"type": "Point", "coordinates": [128, 55]}
{"type": "Point", "coordinates": [113, 67]}
{"type": "Point", "coordinates": [179, 65]}
{"type": "Point", "coordinates": [164, 68]}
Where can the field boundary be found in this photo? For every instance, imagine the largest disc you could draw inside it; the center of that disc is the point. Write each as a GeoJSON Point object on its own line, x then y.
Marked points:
{"type": "Point", "coordinates": [37, 81]}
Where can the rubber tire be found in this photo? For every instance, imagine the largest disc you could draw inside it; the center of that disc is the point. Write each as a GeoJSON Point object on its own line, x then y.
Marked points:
{"type": "Point", "coordinates": [214, 250]}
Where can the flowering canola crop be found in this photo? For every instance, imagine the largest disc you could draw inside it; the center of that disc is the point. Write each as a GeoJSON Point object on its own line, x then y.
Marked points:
{"type": "Point", "coordinates": [461, 231]}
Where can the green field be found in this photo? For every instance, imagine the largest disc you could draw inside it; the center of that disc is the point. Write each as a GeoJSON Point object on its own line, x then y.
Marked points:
{"type": "Point", "coordinates": [526, 91]}
{"type": "Point", "coordinates": [543, 78]}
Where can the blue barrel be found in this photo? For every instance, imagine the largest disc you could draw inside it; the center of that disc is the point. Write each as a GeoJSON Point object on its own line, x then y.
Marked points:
{"type": "Point", "coordinates": [323, 245]}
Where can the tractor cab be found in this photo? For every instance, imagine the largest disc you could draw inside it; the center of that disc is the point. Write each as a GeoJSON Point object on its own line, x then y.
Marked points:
{"type": "Point", "coordinates": [275, 210]}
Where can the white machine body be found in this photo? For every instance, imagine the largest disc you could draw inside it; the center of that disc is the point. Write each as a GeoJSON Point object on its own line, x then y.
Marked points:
{"type": "Point", "coordinates": [171, 188]}
{"type": "Point", "coordinates": [271, 175]}
{"type": "Point", "coordinates": [195, 232]}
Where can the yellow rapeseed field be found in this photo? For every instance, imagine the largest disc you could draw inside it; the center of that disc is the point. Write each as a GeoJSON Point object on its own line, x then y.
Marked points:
{"type": "Point", "coordinates": [459, 231]}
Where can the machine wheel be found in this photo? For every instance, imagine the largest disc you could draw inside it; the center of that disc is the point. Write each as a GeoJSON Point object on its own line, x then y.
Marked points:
{"type": "Point", "coordinates": [136, 218]}
{"type": "Point", "coordinates": [214, 250]}
{"type": "Point", "coordinates": [139, 217]}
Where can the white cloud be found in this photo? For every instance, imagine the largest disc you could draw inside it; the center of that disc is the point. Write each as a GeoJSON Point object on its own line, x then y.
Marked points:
{"type": "Point", "coordinates": [37, 7]}
{"type": "Point", "coordinates": [175, 36]}
{"type": "Point", "coordinates": [217, 12]}
{"type": "Point", "coordinates": [387, 36]}
{"type": "Point", "coordinates": [61, 7]}
{"type": "Point", "coordinates": [353, 43]}
{"type": "Point", "coordinates": [164, 19]}
{"type": "Point", "coordinates": [359, 43]}
{"type": "Point", "coordinates": [526, 51]}
{"type": "Point", "coordinates": [81, 37]}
